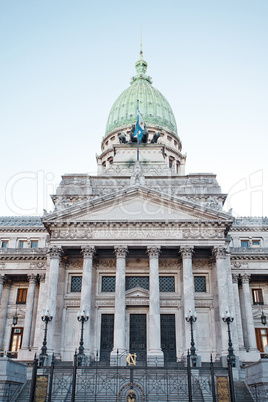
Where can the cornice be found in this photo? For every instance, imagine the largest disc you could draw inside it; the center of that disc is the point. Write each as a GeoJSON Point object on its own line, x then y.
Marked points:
{"type": "Point", "coordinates": [22, 229]}
{"type": "Point", "coordinates": [23, 254]}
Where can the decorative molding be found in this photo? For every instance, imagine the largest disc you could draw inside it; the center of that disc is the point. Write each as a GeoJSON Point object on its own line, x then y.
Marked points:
{"type": "Point", "coordinates": [42, 278]}
{"type": "Point", "coordinates": [153, 251]}
{"type": "Point", "coordinates": [170, 264]}
{"type": "Point", "coordinates": [23, 254]}
{"type": "Point", "coordinates": [2, 265]}
{"type": "Point", "coordinates": [106, 264]}
{"type": "Point", "coordinates": [204, 303]}
{"type": "Point", "coordinates": [186, 251]}
{"type": "Point", "coordinates": [75, 264]}
{"type": "Point", "coordinates": [88, 251]}
{"type": "Point", "coordinates": [239, 265]}
{"type": "Point", "coordinates": [37, 265]}
{"type": "Point", "coordinates": [120, 251]}
{"type": "Point", "coordinates": [203, 233]}
{"type": "Point", "coordinates": [32, 278]}
{"type": "Point", "coordinates": [71, 233]}
{"type": "Point", "coordinates": [202, 264]}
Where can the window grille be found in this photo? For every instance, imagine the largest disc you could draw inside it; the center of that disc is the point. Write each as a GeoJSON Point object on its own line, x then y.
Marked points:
{"type": "Point", "coordinates": [108, 284]}
{"type": "Point", "coordinates": [76, 283]}
{"type": "Point", "coordinates": [200, 284]}
{"type": "Point", "coordinates": [166, 284]}
{"type": "Point", "coordinates": [133, 281]}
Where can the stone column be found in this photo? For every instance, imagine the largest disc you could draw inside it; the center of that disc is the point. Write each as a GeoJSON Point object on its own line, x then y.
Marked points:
{"type": "Point", "coordinates": [2, 280]}
{"type": "Point", "coordinates": [3, 313]}
{"type": "Point", "coordinates": [188, 292]}
{"type": "Point", "coordinates": [39, 327]}
{"type": "Point", "coordinates": [223, 301]}
{"type": "Point", "coordinates": [155, 356]}
{"type": "Point", "coordinates": [120, 307]}
{"type": "Point", "coordinates": [52, 291]}
{"type": "Point", "coordinates": [252, 346]}
{"type": "Point", "coordinates": [88, 253]}
{"type": "Point", "coordinates": [237, 312]}
{"type": "Point", "coordinates": [232, 305]}
{"type": "Point", "coordinates": [29, 312]}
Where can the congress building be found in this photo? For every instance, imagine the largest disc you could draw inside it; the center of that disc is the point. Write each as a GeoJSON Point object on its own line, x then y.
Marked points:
{"type": "Point", "coordinates": [144, 254]}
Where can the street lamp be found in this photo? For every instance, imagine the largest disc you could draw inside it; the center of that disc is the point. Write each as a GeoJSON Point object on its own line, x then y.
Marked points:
{"type": "Point", "coordinates": [228, 318]}
{"type": "Point", "coordinates": [46, 317]}
{"type": "Point", "coordinates": [82, 316]}
{"type": "Point", "coordinates": [191, 317]}
{"type": "Point", "coordinates": [263, 318]}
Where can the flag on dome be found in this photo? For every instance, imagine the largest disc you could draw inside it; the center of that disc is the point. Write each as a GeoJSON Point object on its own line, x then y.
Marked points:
{"type": "Point", "coordinates": [139, 126]}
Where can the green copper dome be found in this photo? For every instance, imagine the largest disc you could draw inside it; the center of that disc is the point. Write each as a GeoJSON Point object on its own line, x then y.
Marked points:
{"type": "Point", "coordinates": [153, 106]}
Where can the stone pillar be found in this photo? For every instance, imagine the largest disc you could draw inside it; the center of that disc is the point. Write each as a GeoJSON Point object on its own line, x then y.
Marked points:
{"type": "Point", "coordinates": [2, 280]}
{"type": "Point", "coordinates": [188, 292]}
{"type": "Point", "coordinates": [3, 313]}
{"type": "Point", "coordinates": [120, 308]}
{"type": "Point", "coordinates": [155, 356]}
{"type": "Point", "coordinates": [52, 291]}
{"type": "Point", "coordinates": [88, 253]}
{"type": "Point", "coordinates": [252, 346]}
{"type": "Point", "coordinates": [29, 312]}
{"type": "Point", "coordinates": [223, 301]}
{"type": "Point", "coordinates": [237, 312]}
{"type": "Point", "coordinates": [232, 306]}
{"type": "Point", "coordinates": [41, 304]}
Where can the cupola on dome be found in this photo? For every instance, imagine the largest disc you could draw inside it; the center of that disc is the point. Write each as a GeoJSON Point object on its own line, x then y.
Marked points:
{"type": "Point", "coordinates": [154, 107]}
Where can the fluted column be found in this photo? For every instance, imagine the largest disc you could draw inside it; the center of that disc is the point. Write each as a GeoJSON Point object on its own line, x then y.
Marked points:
{"type": "Point", "coordinates": [188, 290]}
{"type": "Point", "coordinates": [2, 280]}
{"type": "Point", "coordinates": [223, 300]}
{"type": "Point", "coordinates": [248, 313]}
{"type": "Point", "coordinates": [3, 313]}
{"type": "Point", "coordinates": [88, 253]}
{"type": "Point", "coordinates": [154, 354]}
{"type": "Point", "coordinates": [120, 304]}
{"type": "Point", "coordinates": [237, 311]}
{"type": "Point", "coordinates": [52, 290]}
{"type": "Point", "coordinates": [29, 312]}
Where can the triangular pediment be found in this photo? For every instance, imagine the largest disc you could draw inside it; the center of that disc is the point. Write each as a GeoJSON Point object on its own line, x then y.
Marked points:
{"type": "Point", "coordinates": [136, 204]}
{"type": "Point", "coordinates": [137, 292]}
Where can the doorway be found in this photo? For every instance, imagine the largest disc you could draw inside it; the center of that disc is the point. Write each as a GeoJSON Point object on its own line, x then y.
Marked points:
{"type": "Point", "coordinates": [137, 340]}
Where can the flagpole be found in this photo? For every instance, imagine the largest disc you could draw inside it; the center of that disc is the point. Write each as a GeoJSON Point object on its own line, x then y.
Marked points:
{"type": "Point", "coordinates": [138, 139]}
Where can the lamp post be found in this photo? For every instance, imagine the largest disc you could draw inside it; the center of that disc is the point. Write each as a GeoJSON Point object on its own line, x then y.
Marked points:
{"type": "Point", "coordinates": [45, 317]}
{"type": "Point", "coordinates": [263, 318]}
{"type": "Point", "coordinates": [228, 318]}
{"type": "Point", "coordinates": [82, 316]}
{"type": "Point", "coordinates": [191, 317]}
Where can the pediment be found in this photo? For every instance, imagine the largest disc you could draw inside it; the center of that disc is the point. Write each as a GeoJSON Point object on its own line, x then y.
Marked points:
{"type": "Point", "coordinates": [136, 204]}
{"type": "Point", "coordinates": [137, 292]}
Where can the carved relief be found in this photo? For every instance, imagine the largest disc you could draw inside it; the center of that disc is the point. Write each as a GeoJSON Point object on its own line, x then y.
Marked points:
{"type": "Point", "coordinates": [245, 278]}
{"type": "Point", "coordinates": [220, 251]}
{"type": "Point", "coordinates": [172, 264]}
{"type": "Point", "coordinates": [202, 264]}
{"type": "Point", "coordinates": [88, 251]}
{"type": "Point", "coordinates": [106, 264]}
{"type": "Point", "coordinates": [202, 233]}
{"type": "Point", "coordinates": [55, 252]}
{"type": "Point", "coordinates": [71, 234]}
{"type": "Point", "coordinates": [239, 265]}
{"type": "Point", "coordinates": [75, 264]}
{"type": "Point", "coordinates": [37, 265]}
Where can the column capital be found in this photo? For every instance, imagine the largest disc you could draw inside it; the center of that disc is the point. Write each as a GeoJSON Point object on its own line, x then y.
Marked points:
{"type": "Point", "coordinates": [153, 251]}
{"type": "Point", "coordinates": [186, 251]}
{"type": "Point", "coordinates": [7, 283]}
{"type": "Point", "coordinates": [42, 278]}
{"type": "Point", "coordinates": [88, 251]}
{"type": "Point", "coordinates": [120, 251]}
{"type": "Point", "coordinates": [245, 278]}
{"type": "Point", "coordinates": [235, 278]}
{"type": "Point", "coordinates": [32, 278]}
{"type": "Point", "coordinates": [219, 251]}
{"type": "Point", "coordinates": [55, 252]}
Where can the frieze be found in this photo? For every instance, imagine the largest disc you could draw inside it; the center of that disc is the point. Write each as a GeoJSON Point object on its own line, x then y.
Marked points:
{"type": "Point", "coordinates": [239, 265]}
{"type": "Point", "coordinates": [204, 303]}
{"type": "Point", "coordinates": [171, 264]}
{"type": "Point", "coordinates": [106, 264]}
{"type": "Point", "coordinates": [37, 265]}
{"type": "Point", "coordinates": [202, 264]}
{"type": "Point", "coordinates": [71, 234]}
{"type": "Point", "coordinates": [72, 303]}
{"type": "Point", "coordinates": [203, 234]}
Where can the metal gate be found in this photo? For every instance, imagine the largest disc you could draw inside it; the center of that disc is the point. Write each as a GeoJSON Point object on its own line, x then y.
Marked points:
{"type": "Point", "coordinates": [138, 336]}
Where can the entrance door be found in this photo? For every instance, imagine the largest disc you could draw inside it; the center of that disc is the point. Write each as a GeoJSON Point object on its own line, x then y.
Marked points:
{"type": "Point", "coordinates": [138, 336]}
{"type": "Point", "coordinates": [15, 341]}
{"type": "Point", "coordinates": [107, 336]}
{"type": "Point", "coordinates": [168, 337]}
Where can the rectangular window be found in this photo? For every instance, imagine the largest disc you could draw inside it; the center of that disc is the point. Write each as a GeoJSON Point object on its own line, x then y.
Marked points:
{"type": "Point", "coordinates": [257, 296]}
{"type": "Point", "coordinates": [22, 244]}
{"type": "Point", "coordinates": [108, 284]}
{"type": "Point", "coordinates": [166, 283]}
{"type": "Point", "coordinates": [262, 341]}
{"type": "Point", "coordinates": [22, 296]}
{"type": "Point", "coordinates": [4, 243]}
{"type": "Point", "coordinates": [244, 243]}
{"type": "Point", "coordinates": [200, 284]}
{"type": "Point", "coordinates": [133, 281]}
{"type": "Point", "coordinates": [34, 243]}
{"type": "Point", "coordinates": [76, 283]}
{"type": "Point", "coordinates": [256, 243]}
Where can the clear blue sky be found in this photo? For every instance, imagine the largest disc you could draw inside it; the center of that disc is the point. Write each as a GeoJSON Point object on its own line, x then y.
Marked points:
{"type": "Point", "coordinates": [63, 64]}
